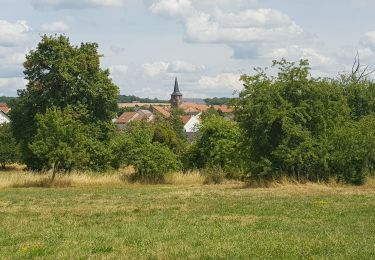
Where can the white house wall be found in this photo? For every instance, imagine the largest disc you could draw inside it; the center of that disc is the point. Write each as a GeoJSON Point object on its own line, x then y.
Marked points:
{"type": "Point", "coordinates": [192, 126]}
{"type": "Point", "coordinates": [4, 119]}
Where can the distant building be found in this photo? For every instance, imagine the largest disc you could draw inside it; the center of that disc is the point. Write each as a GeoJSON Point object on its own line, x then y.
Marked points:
{"type": "Point", "coordinates": [4, 119]}
{"type": "Point", "coordinates": [176, 96]}
{"type": "Point", "coordinates": [192, 111]}
{"type": "Point", "coordinates": [128, 117]}
{"type": "Point", "coordinates": [191, 123]}
{"type": "Point", "coordinates": [163, 111]}
{"type": "Point", "coordinates": [4, 108]}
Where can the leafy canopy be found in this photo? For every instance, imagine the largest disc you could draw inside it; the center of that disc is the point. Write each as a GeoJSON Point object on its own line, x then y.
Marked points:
{"type": "Point", "coordinates": [61, 75]}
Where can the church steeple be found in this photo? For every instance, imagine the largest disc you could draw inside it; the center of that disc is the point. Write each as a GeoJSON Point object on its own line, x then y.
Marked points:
{"type": "Point", "coordinates": [176, 96]}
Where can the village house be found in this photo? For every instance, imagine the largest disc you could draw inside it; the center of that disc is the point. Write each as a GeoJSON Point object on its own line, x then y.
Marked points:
{"type": "Point", "coordinates": [4, 107]}
{"type": "Point", "coordinates": [192, 111]}
{"type": "Point", "coordinates": [4, 119]}
{"type": "Point", "coordinates": [128, 117]}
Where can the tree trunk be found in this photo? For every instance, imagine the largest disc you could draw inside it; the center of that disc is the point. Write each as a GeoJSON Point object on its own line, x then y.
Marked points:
{"type": "Point", "coordinates": [55, 169]}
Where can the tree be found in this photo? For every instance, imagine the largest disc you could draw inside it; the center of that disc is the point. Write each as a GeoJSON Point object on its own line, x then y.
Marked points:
{"type": "Point", "coordinates": [175, 120]}
{"type": "Point", "coordinates": [9, 150]}
{"type": "Point", "coordinates": [146, 150]}
{"type": "Point", "coordinates": [60, 141]}
{"type": "Point", "coordinates": [287, 120]}
{"type": "Point", "coordinates": [61, 75]}
{"type": "Point", "coordinates": [219, 145]}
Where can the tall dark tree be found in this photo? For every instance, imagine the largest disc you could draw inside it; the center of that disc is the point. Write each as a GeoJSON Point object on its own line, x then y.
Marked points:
{"type": "Point", "coordinates": [60, 75]}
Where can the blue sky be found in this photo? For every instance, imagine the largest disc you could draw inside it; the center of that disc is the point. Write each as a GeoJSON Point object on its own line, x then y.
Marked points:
{"type": "Point", "coordinates": [207, 44]}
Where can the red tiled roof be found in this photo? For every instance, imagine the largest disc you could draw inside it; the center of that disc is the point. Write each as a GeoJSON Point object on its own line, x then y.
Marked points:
{"type": "Point", "coordinates": [161, 110]}
{"type": "Point", "coordinates": [223, 108]}
{"type": "Point", "coordinates": [186, 119]}
{"type": "Point", "coordinates": [190, 107]}
{"type": "Point", "coordinates": [125, 117]}
{"type": "Point", "coordinates": [4, 108]}
{"type": "Point", "coordinates": [193, 107]}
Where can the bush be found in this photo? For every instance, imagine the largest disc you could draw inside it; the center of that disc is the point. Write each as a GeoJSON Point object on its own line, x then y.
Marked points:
{"type": "Point", "coordinates": [9, 150]}
{"type": "Point", "coordinates": [218, 145]}
{"type": "Point", "coordinates": [353, 152]}
{"type": "Point", "coordinates": [213, 175]}
{"type": "Point", "coordinates": [152, 162]}
{"type": "Point", "coordinates": [146, 151]}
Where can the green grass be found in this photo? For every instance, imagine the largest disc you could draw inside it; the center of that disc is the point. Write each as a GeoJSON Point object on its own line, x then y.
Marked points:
{"type": "Point", "coordinates": [209, 222]}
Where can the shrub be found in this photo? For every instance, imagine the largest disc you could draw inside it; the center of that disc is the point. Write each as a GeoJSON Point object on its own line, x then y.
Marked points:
{"type": "Point", "coordinates": [213, 175]}
{"type": "Point", "coordinates": [218, 145]}
{"type": "Point", "coordinates": [354, 150]}
{"type": "Point", "coordinates": [153, 161]}
{"type": "Point", "coordinates": [9, 150]}
{"type": "Point", "coordinates": [147, 152]}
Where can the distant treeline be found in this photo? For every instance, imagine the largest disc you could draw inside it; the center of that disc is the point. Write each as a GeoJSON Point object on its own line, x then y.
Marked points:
{"type": "Point", "coordinates": [121, 99]}
{"type": "Point", "coordinates": [4, 99]}
{"type": "Point", "coordinates": [131, 98]}
{"type": "Point", "coordinates": [218, 101]}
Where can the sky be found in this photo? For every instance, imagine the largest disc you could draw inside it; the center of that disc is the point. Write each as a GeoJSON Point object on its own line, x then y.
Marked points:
{"type": "Point", "coordinates": [207, 44]}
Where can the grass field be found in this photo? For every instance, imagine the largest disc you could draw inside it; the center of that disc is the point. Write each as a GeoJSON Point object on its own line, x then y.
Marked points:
{"type": "Point", "coordinates": [121, 220]}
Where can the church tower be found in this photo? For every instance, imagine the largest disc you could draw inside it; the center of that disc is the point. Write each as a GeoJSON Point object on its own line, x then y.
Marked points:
{"type": "Point", "coordinates": [176, 96]}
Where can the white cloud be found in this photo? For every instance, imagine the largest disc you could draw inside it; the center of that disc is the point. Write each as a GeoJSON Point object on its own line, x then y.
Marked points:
{"type": "Point", "coordinates": [162, 68]}
{"type": "Point", "coordinates": [244, 31]}
{"type": "Point", "coordinates": [155, 69]}
{"type": "Point", "coordinates": [11, 63]}
{"type": "Point", "coordinates": [172, 7]}
{"type": "Point", "coordinates": [221, 83]}
{"type": "Point", "coordinates": [368, 40]}
{"type": "Point", "coordinates": [9, 86]}
{"type": "Point", "coordinates": [295, 52]}
{"type": "Point", "coordinates": [74, 4]}
{"type": "Point", "coordinates": [12, 34]}
{"type": "Point", "coordinates": [57, 27]}
{"type": "Point", "coordinates": [253, 18]}
{"type": "Point", "coordinates": [118, 69]}
{"type": "Point", "coordinates": [184, 67]}
{"type": "Point", "coordinates": [266, 25]}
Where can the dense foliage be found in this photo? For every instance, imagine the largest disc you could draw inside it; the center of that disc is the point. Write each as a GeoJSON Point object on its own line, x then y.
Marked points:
{"type": "Point", "coordinates": [9, 150]}
{"type": "Point", "coordinates": [61, 75]}
{"type": "Point", "coordinates": [219, 101]}
{"type": "Point", "coordinates": [306, 127]}
{"type": "Point", "coordinates": [218, 145]}
{"type": "Point", "coordinates": [152, 153]}
{"type": "Point", "coordinates": [291, 124]}
{"type": "Point", "coordinates": [64, 143]}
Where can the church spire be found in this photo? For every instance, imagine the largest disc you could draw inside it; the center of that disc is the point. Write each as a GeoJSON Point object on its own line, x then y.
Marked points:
{"type": "Point", "coordinates": [176, 91]}
{"type": "Point", "coordinates": [176, 96]}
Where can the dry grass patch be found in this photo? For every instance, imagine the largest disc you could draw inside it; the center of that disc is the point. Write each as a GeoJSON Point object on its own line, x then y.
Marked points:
{"type": "Point", "coordinates": [20, 179]}
{"type": "Point", "coordinates": [188, 178]}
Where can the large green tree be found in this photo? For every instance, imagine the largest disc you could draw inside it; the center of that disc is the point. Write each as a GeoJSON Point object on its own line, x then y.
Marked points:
{"type": "Point", "coordinates": [288, 120]}
{"type": "Point", "coordinates": [61, 75]}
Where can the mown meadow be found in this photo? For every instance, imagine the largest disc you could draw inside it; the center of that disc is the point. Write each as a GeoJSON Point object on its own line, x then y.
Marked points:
{"type": "Point", "coordinates": [105, 217]}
